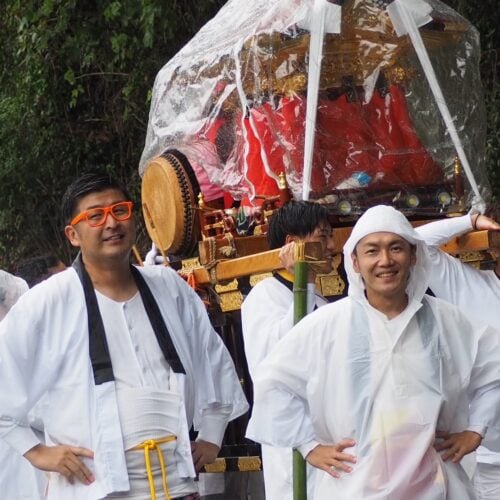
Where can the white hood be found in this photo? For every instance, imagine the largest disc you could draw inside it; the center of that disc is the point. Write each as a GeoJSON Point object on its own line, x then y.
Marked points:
{"type": "Point", "coordinates": [387, 219]}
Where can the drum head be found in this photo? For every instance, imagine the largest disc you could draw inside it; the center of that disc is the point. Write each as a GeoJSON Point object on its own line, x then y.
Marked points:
{"type": "Point", "coordinates": [169, 195]}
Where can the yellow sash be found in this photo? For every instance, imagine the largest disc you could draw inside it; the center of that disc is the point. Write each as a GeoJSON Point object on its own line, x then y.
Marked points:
{"type": "Point", "coordinates": [147, 446]}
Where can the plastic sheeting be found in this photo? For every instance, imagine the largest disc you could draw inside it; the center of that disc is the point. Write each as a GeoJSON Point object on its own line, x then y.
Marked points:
{"type": "Point", "coordinates": [238, 91]}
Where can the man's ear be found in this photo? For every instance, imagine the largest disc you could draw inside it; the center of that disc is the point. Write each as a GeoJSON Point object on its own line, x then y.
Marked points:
{"type": "Point", "coordinates": [72, 235]}
{"type": "Point", "coordinates": [355, 264]}
{"type": "Point", "coordinates": [289, 238]}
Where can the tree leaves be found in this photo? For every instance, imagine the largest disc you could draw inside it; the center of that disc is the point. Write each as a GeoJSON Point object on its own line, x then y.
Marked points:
{"type": "Point", "coordinates": [75, 86]}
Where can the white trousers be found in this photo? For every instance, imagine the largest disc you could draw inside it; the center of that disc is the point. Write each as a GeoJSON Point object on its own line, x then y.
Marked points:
{"type": "Point", "coordinates": [486, 482]}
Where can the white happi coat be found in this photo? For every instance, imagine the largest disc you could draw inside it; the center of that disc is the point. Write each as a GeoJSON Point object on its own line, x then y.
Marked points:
{"type": "Point", "coordinates": [476, 292]}
{"type": "Point", "coordinates": [44, 348]}
{"type": "Point", "coordinates": [266, 317]}
{"type": "Point", "coordinates": [346, 371]}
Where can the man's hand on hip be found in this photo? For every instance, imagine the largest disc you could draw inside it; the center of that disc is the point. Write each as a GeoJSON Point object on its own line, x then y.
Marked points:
{"type": "Point", "coordinates": [331, 458]}
{"type": "Point", "coordinates": [203, 453]}
{"type": "Point", "coordinates": [457, 445]}
{"type": "Point", "coordinates": [62, 459]}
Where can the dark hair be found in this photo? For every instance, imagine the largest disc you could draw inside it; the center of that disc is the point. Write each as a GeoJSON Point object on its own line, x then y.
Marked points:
{"type": "Point", "coordinates": [37, 269]}
{"type": "Point", "coordinates": [295, 218]}
{"type": "Point", "coordinates": [91, 182]}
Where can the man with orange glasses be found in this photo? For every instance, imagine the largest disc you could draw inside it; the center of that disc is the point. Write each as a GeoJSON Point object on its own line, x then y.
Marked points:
{"type": "Point", "coordinates": [128, 360]}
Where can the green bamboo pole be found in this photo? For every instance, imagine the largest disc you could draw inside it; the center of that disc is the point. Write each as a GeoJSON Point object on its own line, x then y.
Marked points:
{"type": "Point", "coordinates": [299, 290]}
{"type": "Point", "coordinates": [299, 311]}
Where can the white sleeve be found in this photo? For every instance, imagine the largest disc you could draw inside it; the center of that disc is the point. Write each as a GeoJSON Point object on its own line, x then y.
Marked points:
{"type": "Point", "coordinates": [484, 390]}
{"type": "Point", "coordinates": [266, 317]}
{"type": "Point", "coordinates": [21, 438]}
{"type": "Point", "coordinates": [449, 276]}
{"type": "Point", "coordinates": [306, 448]}
{"type": "Point", "coordinates": [26, 371]}
{"type": "Point", "coordinates": [213, 424]}
{"type": "Point", "coordinates": [281, 414]}
{"type": "Point", "coordinates": [439, 232]}
{"type": "Point", "coordinates": [219, 397]}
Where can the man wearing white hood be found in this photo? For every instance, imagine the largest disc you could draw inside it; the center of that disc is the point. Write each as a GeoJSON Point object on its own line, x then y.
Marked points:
{"type": "Point", "coordinates": [364, 386]}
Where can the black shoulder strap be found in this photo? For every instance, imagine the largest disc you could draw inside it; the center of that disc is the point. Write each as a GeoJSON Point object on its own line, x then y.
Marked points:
{"type": "Point", "coordinates": [157, 322]}
{"type": "Point", "coordinates": [283, 281]}
{"type": "Point", "coordinates": [98, 346]}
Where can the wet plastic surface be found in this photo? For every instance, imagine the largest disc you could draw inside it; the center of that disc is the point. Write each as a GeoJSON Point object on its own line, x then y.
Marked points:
{"type": "Point", "coordinates": [234, 101]}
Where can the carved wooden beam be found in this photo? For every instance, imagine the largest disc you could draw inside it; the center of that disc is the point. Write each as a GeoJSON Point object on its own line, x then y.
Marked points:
{"type": "Point", "coordinates": [212, 249]}
{"type": "Point", "coordinates": [263, 262]}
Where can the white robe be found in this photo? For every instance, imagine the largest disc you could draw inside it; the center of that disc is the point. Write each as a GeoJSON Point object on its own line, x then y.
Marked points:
{"type": "Point", "coordinates": [266, 317]}
{"type": "Point", "coordinates": [18, 478]}
{"type": "Point", "coordinates": [346, 371]}
{"type": "Point", "coordinates": [44, 347]}
{"type": "Point", "coordinates": [475, 292]}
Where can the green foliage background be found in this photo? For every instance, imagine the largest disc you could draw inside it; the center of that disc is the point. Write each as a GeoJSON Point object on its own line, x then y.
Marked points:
{"type": "Point", "coordinates": [75, 86]}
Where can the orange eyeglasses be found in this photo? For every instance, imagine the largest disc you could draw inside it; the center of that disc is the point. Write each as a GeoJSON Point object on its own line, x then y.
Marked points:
{"type": "Point", "coordinates": [97, 216]}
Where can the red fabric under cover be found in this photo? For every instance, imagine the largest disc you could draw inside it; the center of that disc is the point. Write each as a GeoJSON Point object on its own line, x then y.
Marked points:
{"type": "Point", "coordinates": [377, 137]}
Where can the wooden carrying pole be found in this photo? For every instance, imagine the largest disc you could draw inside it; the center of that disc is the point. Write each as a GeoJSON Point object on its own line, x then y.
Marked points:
{"type": "Point", "coordinates": [299, 311]}
{"type": "Point", "coordinates": [263, 262]}
{"type": "Point", "coordinates": [475, 241]}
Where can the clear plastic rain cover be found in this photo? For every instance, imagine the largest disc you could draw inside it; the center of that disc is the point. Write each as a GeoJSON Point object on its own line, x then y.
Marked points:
{"type": "Point", "coordinates": [394, 116]}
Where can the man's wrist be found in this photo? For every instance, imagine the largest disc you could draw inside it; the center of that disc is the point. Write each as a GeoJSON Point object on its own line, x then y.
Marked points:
{"type": "Point", "coordinates": [306, 448]}
{"type": "Point", "coordinates": [32, 451]}
{"type": "Point", "coordinates": [212, 428]}
{"type": "Point", "coordinates": [474, 217]}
